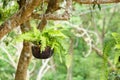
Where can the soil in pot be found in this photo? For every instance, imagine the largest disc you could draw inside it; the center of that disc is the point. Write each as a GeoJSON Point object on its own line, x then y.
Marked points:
{"type": "Point", "coordinates": [47, 53]}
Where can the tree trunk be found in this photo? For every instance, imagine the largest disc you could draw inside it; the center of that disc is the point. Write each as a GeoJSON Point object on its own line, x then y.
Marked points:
{"type": "Point", "coordinates": [25, 57]}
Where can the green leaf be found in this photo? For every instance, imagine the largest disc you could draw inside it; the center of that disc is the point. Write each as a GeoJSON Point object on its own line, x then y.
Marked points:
{"type": "Point", "coordinates": [48, 37]}
{"type": "Point", "coordinates": [116, 58]}
{"type": "Point", "coordinates": [109, 43]}
{"type": "Point", "coordinates": [5, 2]}
{"type": "Point", "coordinates": [60, 57]}
{"type": "Point", "coordinates": [116, 37]}
{"type": "Point", "coordinates": [43, 43]}
{"type": "Point", "coordinates": [99, 6]}
{"type": "Point", "coordinates": [25, 36]}
{"type": "Point", "coordinates": [57, 33]}
{"type": "Point", "coordinates": [36, 31]}
{"type": "Point", "coordinates": [117, 46]}
{"type": "Point", "coordinates": [68, 60]}
{"type": "Point", "coordinates": [94, 6]}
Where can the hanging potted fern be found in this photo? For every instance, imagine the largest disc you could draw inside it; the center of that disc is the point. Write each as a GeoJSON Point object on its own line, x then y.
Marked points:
{"type": "Point", "coordinates": [45, 43]}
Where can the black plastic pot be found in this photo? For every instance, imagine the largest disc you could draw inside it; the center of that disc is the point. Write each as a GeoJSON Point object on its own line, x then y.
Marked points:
{"type": "Point", "coordinates": [47, 53]}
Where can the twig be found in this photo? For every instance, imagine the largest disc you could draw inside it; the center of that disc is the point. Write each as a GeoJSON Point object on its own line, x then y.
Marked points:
{"type": "Point", "coordinates": [33, 67]}
{"type": "Point", "coordinates": [20, 17]}
{"type": "Point", "coordinates": [51, 16]}
{"type": "Point", "coordinates": [92, 46]}
{"type": "Point", "coordinates": [100, 53]}
{"type": "Point", "coordinates": [4, 59]}
{"type": "Point", "coordinates": [40, 73]}
{"type": "Point", "coordinates": [9, 57]}
{"type": "Point", "coordinates": [87, 11]}
{"type": "Point", "coordinates": [96, 1]}
{"type": "Point", "coordinates": [81, 32]}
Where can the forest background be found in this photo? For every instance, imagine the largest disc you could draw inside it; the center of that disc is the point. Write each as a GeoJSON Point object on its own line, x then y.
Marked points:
{"type": "Point", "coordinates": [92, 32]}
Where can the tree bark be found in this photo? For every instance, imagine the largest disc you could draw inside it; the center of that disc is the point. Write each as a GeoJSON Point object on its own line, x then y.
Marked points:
{"type": "Point", "coordinates": [21, 73]}
{"type": "Point", "coordinates": [25, 57]}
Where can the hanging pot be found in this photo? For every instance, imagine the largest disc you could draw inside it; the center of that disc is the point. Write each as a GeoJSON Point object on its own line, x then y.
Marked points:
{"type": "Point", "coordinates": [47, 53]}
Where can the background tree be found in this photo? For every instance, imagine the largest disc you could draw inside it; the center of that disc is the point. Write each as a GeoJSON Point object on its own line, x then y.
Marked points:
{"type": "Point", "coordinates": [24, 15]}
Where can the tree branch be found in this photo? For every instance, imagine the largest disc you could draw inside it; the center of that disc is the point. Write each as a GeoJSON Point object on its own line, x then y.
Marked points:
{"type": "Point", "coordinates": [25, 12]}
{"type": "Point", "coordinates": [43, 67]}
{"type": "Point", "coordinates": [87, 39]}
{"type": "Point", "coordinates": [96, 1]}
{"type": "Point", "coordinates": [51, 16]}
{"type": "Point", "coordinates": [23, 15]}
{"type": "Point", "coordinates": [22, 73]}
{"type": "Point", "coordinates": [100, 53]}
{"type": "Point", "coordinates": [12, 62]}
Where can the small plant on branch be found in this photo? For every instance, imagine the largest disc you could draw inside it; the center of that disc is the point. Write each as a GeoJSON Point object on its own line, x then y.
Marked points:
{"type": "Point", "coordinates": [45, 43]}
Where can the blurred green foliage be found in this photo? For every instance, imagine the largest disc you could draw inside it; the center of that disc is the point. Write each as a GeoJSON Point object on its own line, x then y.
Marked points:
{"type": "Point", "coordinates": [7, 9]}
{"type": "Point", "coordinates": [89, 68]}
